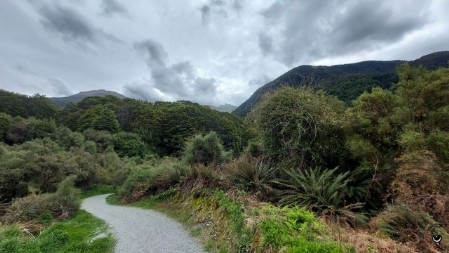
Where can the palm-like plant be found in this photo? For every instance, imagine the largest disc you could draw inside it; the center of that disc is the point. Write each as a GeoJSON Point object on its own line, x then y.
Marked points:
{"type": "Point", "coordinates": [324, 191]}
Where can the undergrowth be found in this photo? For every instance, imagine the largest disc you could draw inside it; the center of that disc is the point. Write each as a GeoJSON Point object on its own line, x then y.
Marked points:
{"type": "Point", "coordinates": [231, 222]}
{"type": "Point", "coordinates": [74, 235]}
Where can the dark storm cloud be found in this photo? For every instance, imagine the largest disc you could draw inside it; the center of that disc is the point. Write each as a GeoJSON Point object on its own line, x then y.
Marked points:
{"type": "Point", "coordinates": [111, 7]}
{"type": "Point", "coordinates": [176, 81]}
{"type": "Point", "coordinates": [71, 25]}
{"type": "Point", "coordinates": [309, 30]}
{"type": "Point", "coordinates": [265, 43]}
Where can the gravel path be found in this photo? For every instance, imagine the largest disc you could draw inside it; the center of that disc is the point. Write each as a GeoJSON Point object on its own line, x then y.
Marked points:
{"type": "Point", "coordinates": [138, 230]}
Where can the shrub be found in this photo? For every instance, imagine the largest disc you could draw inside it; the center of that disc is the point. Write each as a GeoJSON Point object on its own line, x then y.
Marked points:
{"type": "Point", "coordinates": [90, 147]}
{"type": "Point", "coordinates": [300, 127]}
{"type": "Point", "coordinates": [129, 144]}
{"type": "Point", "coordinates": [103, 139]}
{"type": "Point", "coordinates": [294, 229]}
{"type": "Point", "coordinates": [324, 191]}
{"type": "Point", "coordinates": [27, 208]}
{"type": "Point", "coordinates": [62, 204]}
{"type": "Point", "coordinates": [66, 200]}
{"type": "Point", "coordinates": [251, 174]}
{"type": "Point", "coordinates": [145, 181]}
{"type": "Point", "coordinates": [405, 225]}
{"type": "Point", "coordinates": [205, 149]}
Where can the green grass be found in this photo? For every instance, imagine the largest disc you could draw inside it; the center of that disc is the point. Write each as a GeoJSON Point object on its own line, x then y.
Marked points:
{"type": "Point", "coordinates": [97, 190]}
{"type": "Point", "coordinates": [74, 235]}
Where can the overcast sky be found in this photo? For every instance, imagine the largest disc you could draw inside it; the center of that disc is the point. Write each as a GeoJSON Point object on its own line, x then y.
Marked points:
{"type": "Point", "coordinates": [207, 51]}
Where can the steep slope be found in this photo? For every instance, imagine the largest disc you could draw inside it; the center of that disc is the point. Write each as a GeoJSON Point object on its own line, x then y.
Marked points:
{"type": "Point", "coordinates": [62, 101]}
{"type": "Point", "coordinates": [345, 81]}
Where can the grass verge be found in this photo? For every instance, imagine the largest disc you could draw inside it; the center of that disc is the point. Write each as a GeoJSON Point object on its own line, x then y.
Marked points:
{"type": "Point", "coordinates": [235, 222]}
{"type": "Point", "coordinates": [83, 233]}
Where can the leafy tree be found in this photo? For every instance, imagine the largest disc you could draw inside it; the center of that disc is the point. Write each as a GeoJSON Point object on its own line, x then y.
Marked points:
{"type": "Point", "coordinates": [20, 105]}
{"type": "Point", "coordinates": [98, 118]}
{"type": "Point", "coordinates": [372, 127]}
{"type": "Point", "coordinates": [40, 128]}
{"type": "Point", "coordinates": [129, 144]}
{"type": "Point", "coordinates": [103, 139]}
{"type": "Point", "coordinates": [5, 123]}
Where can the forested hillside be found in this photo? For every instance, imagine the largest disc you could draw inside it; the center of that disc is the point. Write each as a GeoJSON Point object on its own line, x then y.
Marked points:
{"type": "Point", "coordinates": [345, 81]}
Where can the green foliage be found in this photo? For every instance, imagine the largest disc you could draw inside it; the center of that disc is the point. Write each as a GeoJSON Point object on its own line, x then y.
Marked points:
{"type": "Point", "coordinates": [295, 230]}
{"type": "Point", "coordinates": [62, 204]}
{"type": "Point", "coordinates": [300, 128]}
{"type": "Point", "coordinates": [319, 190]}
{"type": "Point", "coordinates": [205, 149]}
{"type": "Point", "coordinates": [252, 174]}
{"type": "Point", "coordinates": [148, 179]}
{"type": "Point", "coordinates": [98, 118]}
{"type": "Point", "coordinates": [90, 147]}
{"type": "Point", "coordinates": [103, 139]}
{"type": "Point", "coordinates": [69, 236]}
{"type": "Point", "coordinates": [5, 122]}
{"type": "Point", "coordinates": [27, 106]}
{"type": "Point", "coordinates": [129, 144]}
{"type": "Point", "coordinates": [303, 246]}
{"type": "Point", "coordinates": [373, 127]}
{"type": "Point", "coordinates": [405, 225]}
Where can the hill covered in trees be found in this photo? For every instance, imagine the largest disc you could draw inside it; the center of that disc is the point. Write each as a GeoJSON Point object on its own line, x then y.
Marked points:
{"type": "Point", "coordinates": [63, 101]}
{"type": "Point", "coordinates": [345, 81]}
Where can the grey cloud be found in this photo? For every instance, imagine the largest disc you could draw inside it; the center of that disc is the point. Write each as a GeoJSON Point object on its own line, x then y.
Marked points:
{"type": "Point", "coordinates": [205, 14]}
{"type": "Point", "coordinates": [71, 25]}
{"type": "Point", "coordinates": [59, 87]}
{"type": "Point", "coordinates": [309, 30]}
{"type": "Point", "coordinates": [144, 91]}
{"type": "Point", "coordinates": [260, 80]}
{"type": "Point", "coordinates": [111, 7]}
{"type": "Point", "coordinates": [153, 52]}
{"type": "Point", "coordinates": [265, 43]}
{"type": "Point", "coordinates": [214, 8]}
{"type": "Point", "coordinates": [178, 81]}
{"type": "Point", "coordinates": [237, 5]}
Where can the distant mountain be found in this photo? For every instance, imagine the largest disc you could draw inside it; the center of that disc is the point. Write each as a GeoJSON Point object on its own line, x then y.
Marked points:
{"type": "Point", "coordinates": [224, 108]}
{"type": "Point", "coordinates": [345, 81]}
{"type": "Point", "coordinates": [62, 101]}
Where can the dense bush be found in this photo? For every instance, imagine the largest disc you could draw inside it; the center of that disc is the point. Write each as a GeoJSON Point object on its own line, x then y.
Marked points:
{"type": "Point", "coordinates": [61, 205]}
{"type": "Point", "coordinates": [252, 174]}
{"type": "Point", "coordinates": [405, 225]}
{"type": "Point", "coordinates": [300, 128]}
{"type": "Point", "coordinates": [148, 179]}
{"type": "Point", "coordinates": [205, 150]}
{"type": "Point", "coordinates": [129, 144]}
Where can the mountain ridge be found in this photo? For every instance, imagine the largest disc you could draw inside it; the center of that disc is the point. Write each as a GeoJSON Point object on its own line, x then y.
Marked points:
{"type": "Point", "coordinates": [345, 81]}
{"type": "Point", "coordinates": [63, 101]}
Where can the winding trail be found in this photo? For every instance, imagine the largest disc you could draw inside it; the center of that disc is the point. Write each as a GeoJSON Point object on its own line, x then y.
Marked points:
{"type": "Point", "coordinates": [138, 230]}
